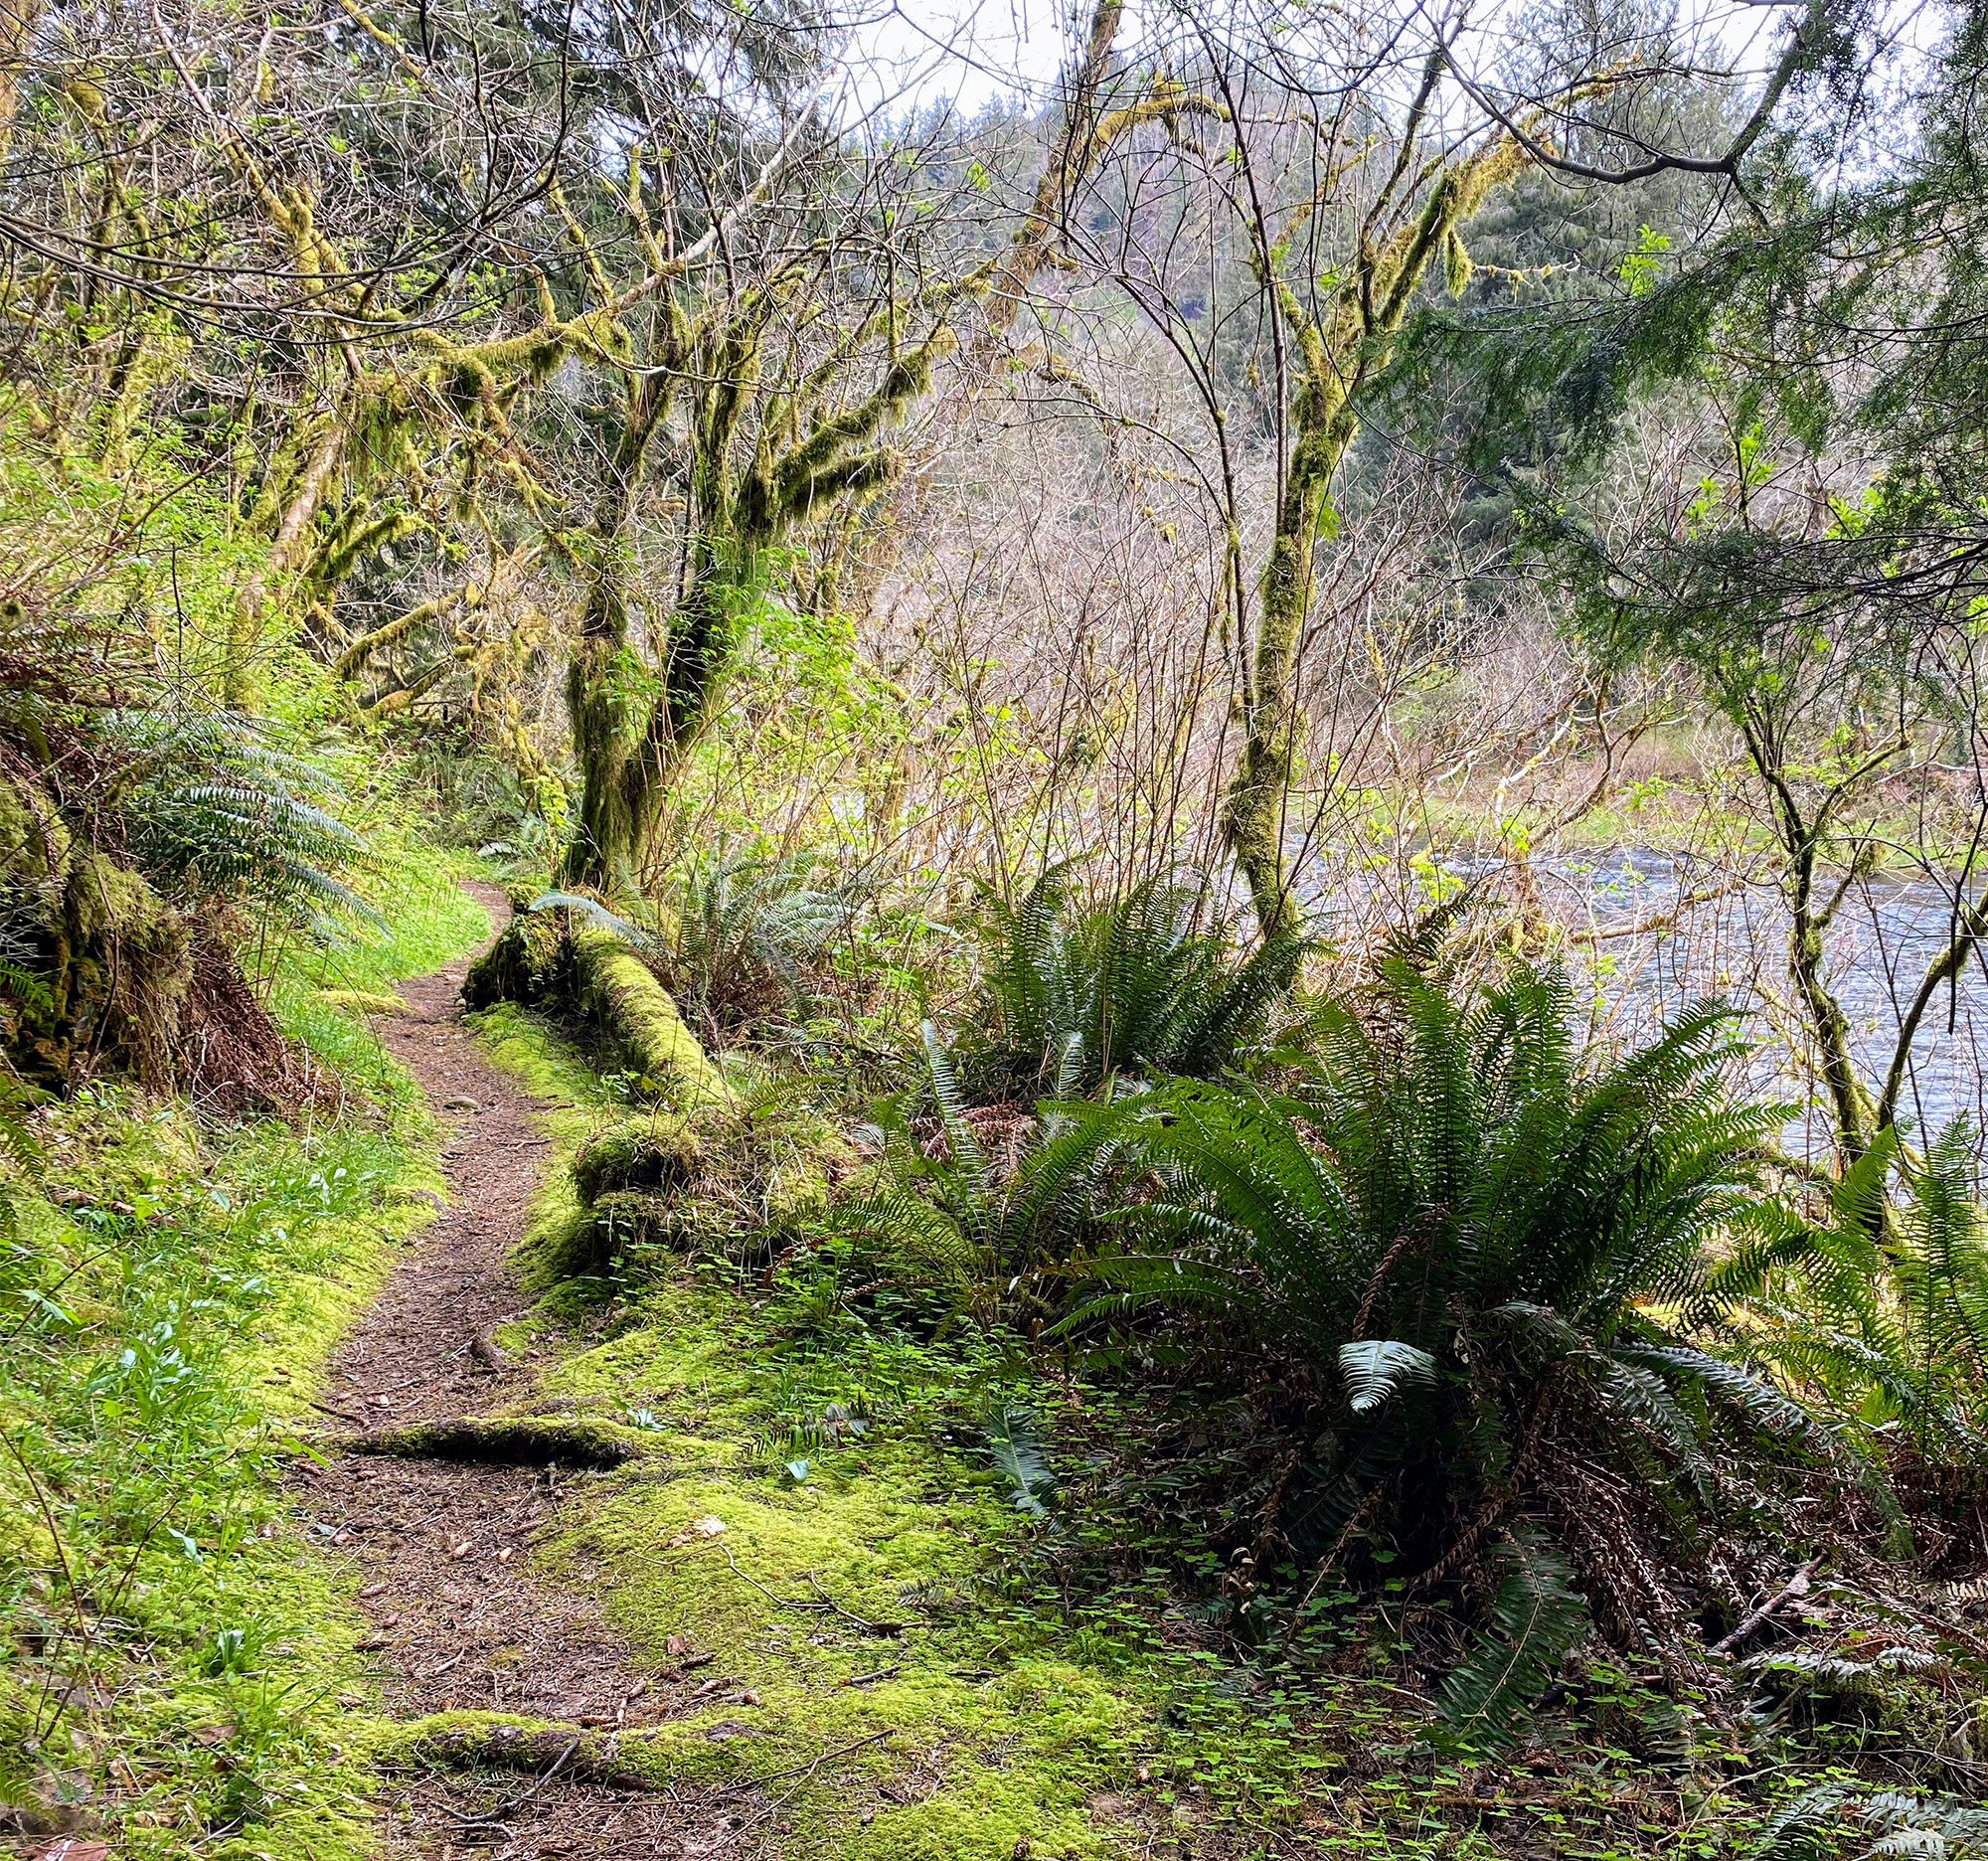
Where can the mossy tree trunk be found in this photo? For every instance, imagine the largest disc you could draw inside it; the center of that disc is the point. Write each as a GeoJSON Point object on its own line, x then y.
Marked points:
{"type": "Point", "coordinates": [605, 680]}
{"type": "Point", "coordinates": [1335, 349]}
{"type": "Point", "coordinates": [635, 719]}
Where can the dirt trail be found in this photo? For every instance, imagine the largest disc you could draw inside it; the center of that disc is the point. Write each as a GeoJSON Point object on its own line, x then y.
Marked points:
{"type": "Point", "coordinates": [441, 1548]}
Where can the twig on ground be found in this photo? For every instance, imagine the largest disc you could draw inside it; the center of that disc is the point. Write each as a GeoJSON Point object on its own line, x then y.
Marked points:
{"type": "Point", "coordinates": [1796, 1585]}
{"type": "Point", "coordinates": [494, 1818]}
{"type": "Point", "coordinates": [813, 1763]}
{"type": "Point", "coordinates": [826, 1602]}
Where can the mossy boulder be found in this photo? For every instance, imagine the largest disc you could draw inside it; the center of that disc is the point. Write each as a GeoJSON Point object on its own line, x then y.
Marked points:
{"type": "Point", "coordinates": [652, 1155]}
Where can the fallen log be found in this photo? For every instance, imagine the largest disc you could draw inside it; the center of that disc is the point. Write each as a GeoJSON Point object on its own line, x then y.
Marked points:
{"type": "Point", "coordinates": [621, 991]}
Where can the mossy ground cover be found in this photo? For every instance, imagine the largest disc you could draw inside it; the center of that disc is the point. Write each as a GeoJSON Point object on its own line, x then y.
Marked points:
{"type": "Point", "coordinates": [909, 1662]}
{"type": "Point", "coordinates": [181, 1671]}
{"type": "Point", "coordinates": [918, 1666]}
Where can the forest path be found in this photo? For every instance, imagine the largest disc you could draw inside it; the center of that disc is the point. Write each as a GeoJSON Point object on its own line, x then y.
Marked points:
{"type": "Point", "coordinates": [441, 1548]}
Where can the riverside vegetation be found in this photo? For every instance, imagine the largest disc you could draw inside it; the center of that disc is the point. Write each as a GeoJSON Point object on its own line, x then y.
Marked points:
{"type": "Point", "coordinates": [1000, 724]}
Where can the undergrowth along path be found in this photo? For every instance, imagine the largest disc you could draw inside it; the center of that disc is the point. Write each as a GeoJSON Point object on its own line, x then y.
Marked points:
{"type": "Point", "coordinates": [440, 1547]}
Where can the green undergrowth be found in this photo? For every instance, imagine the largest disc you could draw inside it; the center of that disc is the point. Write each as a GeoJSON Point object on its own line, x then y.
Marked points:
{"type": "Point", "coordinates": [927, 1649]}
{"type": "Point", "coordinates": [169, 1293]}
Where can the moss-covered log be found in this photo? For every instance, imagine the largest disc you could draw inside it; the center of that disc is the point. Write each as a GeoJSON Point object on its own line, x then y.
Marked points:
{"type": "Point", "coordinates": [653, 1153]}
{"type": "Point", "coordinates": [552, 959]}
{"type": "Point", "coordinates": [499, 1441]}
{"type": "Point", "coordinates": [489, 1741]}
{"type": "Point", "coordinates": [622, 994]}
{"type": "Point", "coordinates": [529, 962]}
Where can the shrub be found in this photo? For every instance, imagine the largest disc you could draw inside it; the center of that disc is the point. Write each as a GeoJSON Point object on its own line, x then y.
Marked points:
{"type": "Point", "coordinates": [1877, 1307]}
{"type": "Point", "coordinates": [750, 936]}
{"type": "Point", "coordinates": [1141, 983]}
{"type": "Point", "coordinates": [987, 1228]}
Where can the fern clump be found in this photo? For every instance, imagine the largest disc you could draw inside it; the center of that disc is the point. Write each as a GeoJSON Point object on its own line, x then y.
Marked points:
{"type": "Point", "coordinates": [751, 937]}
{"type": "Point", "coordinates": [1873, 1302]}
{"type": "Point", "coordinates": [1142, 983]}
{"type": "Point", "coordinates": [210, 808]}
{"type": "Point", "coordinates": [1486, 1246]}
{"type": "Point", "coordinates": [991, 1232]}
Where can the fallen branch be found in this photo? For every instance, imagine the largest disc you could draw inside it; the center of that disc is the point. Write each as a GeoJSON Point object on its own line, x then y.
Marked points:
{"type": "Point", "coordinates": [826, 1602]}
{"type": "Point", "coordinates": [812, 1764]}
{"type": "Point", "coordinates": [489, 1353]}
{"type": "Point", "coordinates": [1796, 1585]}
{"type": "Point", "coordinates": [494, 1818]}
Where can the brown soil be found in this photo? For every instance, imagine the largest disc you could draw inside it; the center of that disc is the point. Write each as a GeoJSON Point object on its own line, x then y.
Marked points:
{"type": "Point", "coordinates": [442, 1551]}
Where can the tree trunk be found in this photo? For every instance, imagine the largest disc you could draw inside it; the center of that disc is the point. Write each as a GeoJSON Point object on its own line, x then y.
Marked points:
{"type": "Point", "coordinates": [1336, 354]}
{"type": "Point", "coordinates": [605, 685]}
{"type": "Point", "coordinates": [18, 22]}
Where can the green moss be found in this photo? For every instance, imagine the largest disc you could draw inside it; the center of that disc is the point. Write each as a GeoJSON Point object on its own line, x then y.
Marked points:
{"type": "Point", "coordinates": [502, 1440]}
{"type": "Point", "coordinates": [527, 963]}
{"type": "Point", "coordinates": [620, 992]}
{"type": "Point", "coordinates": [558, 1233]}
{"type": "Point", "coordinates": [868, 1559]}
{"type": "Point", "coordinates": [652, 1153]}
{"type": "Point", "coordinates": [184, 1286]}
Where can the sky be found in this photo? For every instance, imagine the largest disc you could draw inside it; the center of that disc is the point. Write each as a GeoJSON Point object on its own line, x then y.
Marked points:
{"type": "Point", "coordinates": [972, 50]}
{"type": "Point", "coordinates": [908, 53]}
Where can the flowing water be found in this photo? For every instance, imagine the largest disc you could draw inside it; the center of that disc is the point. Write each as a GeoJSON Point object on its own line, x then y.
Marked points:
{"type": "Point", "coordinates": [1657, 934]}
{"type": "Point", "coordinates": [1659, 942]}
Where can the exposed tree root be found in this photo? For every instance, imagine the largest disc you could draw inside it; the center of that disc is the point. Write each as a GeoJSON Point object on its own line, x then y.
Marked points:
{"type": "Point", "coordinates": [499, 1441]}
{"type": "Point", "coordinates": [491, 1741]}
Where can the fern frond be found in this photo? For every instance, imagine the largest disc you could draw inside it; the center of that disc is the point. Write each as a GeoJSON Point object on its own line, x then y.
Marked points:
{"type": "Point", "coordinates": [597, 913]}
{"type": "Point", "coordinates": [1537, 1617]}
{"type": "Point", "coordinates": [1378, 1368]}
